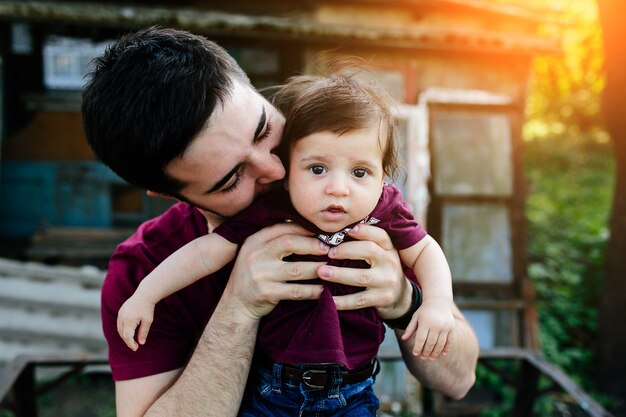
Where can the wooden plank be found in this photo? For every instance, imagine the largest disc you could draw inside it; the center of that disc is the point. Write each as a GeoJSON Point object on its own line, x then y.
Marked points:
{"type": "Point", "coordinates": [12, 348]}
{"type": "Point", "coordinates": [272, 27]}
{"type": "Point", "coordinates": [75, 243]}
{"type": "Point", "coordinates": [17, 323]}
{"type": "Point", "coordinates": [49, 309]}
{"type": "Point", "coordinates": [86, 275]}
{"type": "Point", "coordinates": [61, 296]}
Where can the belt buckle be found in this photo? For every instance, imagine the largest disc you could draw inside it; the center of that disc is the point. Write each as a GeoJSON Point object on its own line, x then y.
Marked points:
{"type": "Point", "coordinates": [308, 375]}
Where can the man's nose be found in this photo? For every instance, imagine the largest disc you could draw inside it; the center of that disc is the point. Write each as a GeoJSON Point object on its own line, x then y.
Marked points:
{"type": "Point", "coordinates": [269, 169]}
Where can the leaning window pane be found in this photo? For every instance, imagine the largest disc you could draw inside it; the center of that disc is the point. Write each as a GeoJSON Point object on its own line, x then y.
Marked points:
{"type": "Point", "coordinates": [477, 242]}
{"type": "Point", "coordinates": [472, 154]}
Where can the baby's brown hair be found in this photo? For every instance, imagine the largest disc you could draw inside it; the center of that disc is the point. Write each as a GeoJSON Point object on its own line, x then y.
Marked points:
{"type": "Point", "coordinates": [339, 104]}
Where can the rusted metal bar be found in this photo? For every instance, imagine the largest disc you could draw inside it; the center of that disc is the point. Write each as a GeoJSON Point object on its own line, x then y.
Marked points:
{"type": "Point", "coordinates": [25, 398]}
{"type": "Point", "coordinates": [50, 385]}
{"type": "Point", "coordinates": [9, 377]}
{"type": "Point", "coordinates": [565, 383]}
{"type": "Point", "coordinates": [533, 359]}
{"type": "Point", "coordinates": [527, 391]}
{"type": "Point", "coordinates": [18, 387]}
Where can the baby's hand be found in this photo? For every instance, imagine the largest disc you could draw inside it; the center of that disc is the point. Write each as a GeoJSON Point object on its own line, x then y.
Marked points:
{"type": "Point", "coordinates": [135, 312]}
{"type": "Point", "coordinates": [431, 324]}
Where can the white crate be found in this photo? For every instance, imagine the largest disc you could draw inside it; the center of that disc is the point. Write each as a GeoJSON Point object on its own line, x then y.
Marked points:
{"type": "Point", "coordinates": [66, 61]}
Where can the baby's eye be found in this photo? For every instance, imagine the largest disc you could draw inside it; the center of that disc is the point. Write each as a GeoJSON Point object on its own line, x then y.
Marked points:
{"type": "Point", "coordinates": [360, 173]}
{"type": "Point", "coordinates": [317, 169]}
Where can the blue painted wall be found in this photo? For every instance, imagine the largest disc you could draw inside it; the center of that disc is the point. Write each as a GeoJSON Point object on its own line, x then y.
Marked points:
{"type": "Point", "coordinates": [39, 194]}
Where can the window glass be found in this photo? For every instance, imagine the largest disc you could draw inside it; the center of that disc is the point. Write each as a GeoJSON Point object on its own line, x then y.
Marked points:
{"type": "Point", "coordinates": [472, 153]}
{"type": "Point", "coordinates": [477, 242]}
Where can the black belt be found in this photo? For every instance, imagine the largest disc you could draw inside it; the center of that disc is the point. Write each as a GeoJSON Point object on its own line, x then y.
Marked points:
{"type": "Point", "coordinates": [322, 377]}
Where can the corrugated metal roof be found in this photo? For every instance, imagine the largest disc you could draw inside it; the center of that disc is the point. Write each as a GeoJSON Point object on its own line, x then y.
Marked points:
{"type": "Point", "coordinates": [298, 28]}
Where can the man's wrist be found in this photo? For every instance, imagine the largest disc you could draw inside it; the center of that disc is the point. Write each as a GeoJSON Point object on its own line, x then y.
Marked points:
{"type": "Point", "coordinates": [416, 301]}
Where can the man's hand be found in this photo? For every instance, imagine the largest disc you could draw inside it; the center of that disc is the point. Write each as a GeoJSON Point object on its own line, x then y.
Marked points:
{"type": "Point", "coordinates": [259, 279]}
{"type": "Point", "coordinates": [386, 288]}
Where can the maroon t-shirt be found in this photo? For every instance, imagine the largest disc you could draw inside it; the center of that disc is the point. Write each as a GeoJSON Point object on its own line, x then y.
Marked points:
{"type": "Point", "coordinates": [179, 319]}
{"type": "Point", "coordinates": [314, 331]}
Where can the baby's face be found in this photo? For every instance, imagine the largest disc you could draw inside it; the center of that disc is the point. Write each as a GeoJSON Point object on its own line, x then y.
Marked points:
{"type": "Point", "coordinates": [336, 180]}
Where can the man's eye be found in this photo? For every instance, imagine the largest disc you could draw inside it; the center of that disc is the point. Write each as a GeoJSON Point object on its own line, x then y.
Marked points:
{"type": "Point", "coordinates": [268, 130]}
{"type": "Point", "coordinates": [317, 169]}
{"type": "Point", "coordinates": [234, 183]}
{"type": "Point", "coordinates": [360, 173]}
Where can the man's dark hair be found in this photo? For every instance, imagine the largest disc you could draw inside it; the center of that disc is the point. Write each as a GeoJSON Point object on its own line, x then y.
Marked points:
{"type": "Point", "coordinates": [148, 96]}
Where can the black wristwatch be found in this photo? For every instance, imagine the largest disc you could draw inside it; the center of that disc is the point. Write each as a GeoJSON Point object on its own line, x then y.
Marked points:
{"type": "Point", "coordinates": [403, 321]}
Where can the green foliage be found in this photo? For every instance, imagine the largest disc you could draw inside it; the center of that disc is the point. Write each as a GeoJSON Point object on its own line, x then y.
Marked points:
{"type": "Point", "coordinates": [567, 210]}
{"type": "Point", "coordinates": [81, 395]}
{"type": "Point", "coordinates": [505, 394]}
{"type": "Point", "coordinates": [571, 171]}
{"type": "Point", "coordinates": [571, 186]}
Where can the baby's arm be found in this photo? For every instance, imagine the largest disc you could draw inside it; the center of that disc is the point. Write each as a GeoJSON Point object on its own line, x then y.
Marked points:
{"type": "Point", "coordinates": [199, 258]}
{"type": "Point", "coordinates": [433, 321]}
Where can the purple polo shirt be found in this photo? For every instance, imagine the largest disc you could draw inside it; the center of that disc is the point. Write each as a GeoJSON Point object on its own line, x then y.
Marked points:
{"type": "Point", "coordinates": [301, 332]}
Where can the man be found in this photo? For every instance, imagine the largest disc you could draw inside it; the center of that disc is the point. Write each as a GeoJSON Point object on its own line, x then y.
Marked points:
{"type": "Point", "coordinates": [173, 113]}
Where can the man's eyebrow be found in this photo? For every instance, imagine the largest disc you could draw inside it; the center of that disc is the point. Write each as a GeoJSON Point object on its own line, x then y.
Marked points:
{"type": "Point", "coordinates": [260, 126]}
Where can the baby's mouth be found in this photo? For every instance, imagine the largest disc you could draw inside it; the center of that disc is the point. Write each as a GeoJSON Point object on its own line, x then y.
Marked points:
{"type": "Point", "coordinates": [335, 209]}
{"type": "Point", "coordinates": [334, 214]}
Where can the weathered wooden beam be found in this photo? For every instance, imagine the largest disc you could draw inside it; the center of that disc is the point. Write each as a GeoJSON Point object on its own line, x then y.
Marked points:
{"type": "Point", "coordinates": [301, 27]}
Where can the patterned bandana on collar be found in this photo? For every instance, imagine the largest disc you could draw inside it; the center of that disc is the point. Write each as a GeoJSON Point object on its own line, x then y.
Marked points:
{"type": "Point", "coordinates": [337, 237]}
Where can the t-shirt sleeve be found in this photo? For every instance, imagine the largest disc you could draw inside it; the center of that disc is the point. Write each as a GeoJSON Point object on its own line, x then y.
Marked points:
{"type": "Point", "coordinates": [398, 220]}
{"type": "Point", "coordinates": [164, 351]}
{"type": "Point", "coordinates": [179, 319]}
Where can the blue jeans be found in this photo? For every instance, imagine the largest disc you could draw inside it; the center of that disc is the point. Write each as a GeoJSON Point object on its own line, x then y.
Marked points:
{"type": "Point", "coordinates": [274, 396]}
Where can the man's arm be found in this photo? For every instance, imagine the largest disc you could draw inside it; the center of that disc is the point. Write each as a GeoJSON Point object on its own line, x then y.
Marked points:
{"type": "Point", "coordinates": [452, 374]}
{"type": "Point", "coordinates": [213, 382]}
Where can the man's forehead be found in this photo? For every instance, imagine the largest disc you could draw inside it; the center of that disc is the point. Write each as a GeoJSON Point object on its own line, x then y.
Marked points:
{"type": "Point", "coordinates": [242, 95]}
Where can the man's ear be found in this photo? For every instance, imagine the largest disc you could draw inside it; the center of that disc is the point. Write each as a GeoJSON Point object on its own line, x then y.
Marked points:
{"type": "Point", "coordinates": [151, 193]}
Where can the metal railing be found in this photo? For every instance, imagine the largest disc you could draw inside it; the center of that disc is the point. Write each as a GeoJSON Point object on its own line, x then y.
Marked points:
{"type": "Point", "coordinates": [19, 388]}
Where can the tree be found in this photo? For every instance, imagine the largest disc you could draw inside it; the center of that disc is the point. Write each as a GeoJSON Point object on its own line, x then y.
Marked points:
{"type": "Point", "coordinates": [612, 325]}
